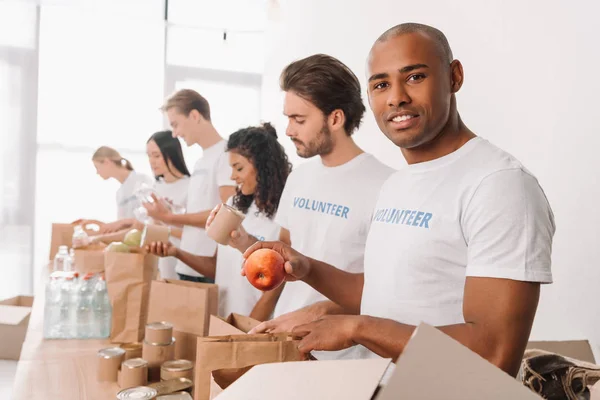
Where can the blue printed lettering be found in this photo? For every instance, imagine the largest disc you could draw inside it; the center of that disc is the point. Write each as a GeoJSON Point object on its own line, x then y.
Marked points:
{"type": "Point", "coordinates": [321, 207]}
{"type": "Point", "coordinates": [345, 212]}
{"type": "Point", "coordinates": [426, 219]}
{"type": "Point", "coordinates": [406, 214]}
{"type": "Point", "coordinates": [338, 210]}
{"type": "Point", "coordinates": [315, 205]}
{"type": "Point", "coordinates": [418, 218]}
{"type": "Point", "coordinates": [328, 207]}
{"type": "Point", "coordinates": [410, 218]}
{"type": "Point", "coordinates": [296, 200]}
{"type": "Point", "coordinates": [301, 202]}
{"type": "Point", "coordinates": [398, 216]}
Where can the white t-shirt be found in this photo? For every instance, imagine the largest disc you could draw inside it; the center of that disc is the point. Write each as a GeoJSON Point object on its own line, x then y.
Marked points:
{"type": "Point", "coordinates": [176, 192]}
{"type": "Point", "coordinates": [210, 172]}
{"type": "Point", "coordinates": [236, 294]}
{"type": "Point", "coordinates": [475, 212]}
{"type": "Point", "coordinates": [126, 199]}
{"type": "Point", "coordinates": [328, 213]}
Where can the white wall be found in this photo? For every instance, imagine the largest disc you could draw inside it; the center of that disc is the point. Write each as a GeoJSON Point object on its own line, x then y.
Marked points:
{"type": "Point", "coordinates": [531, 87]}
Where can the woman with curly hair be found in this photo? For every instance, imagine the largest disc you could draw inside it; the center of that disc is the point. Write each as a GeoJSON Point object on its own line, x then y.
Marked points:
{"type": "Point", "coordinates": [260, 168]}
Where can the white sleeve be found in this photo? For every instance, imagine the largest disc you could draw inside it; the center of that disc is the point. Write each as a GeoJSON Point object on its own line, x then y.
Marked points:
{"type": "Point", "coordinates": [281, 217]}
{"type": "Point", "coordinates": [223, 171]}
{"type": "Point", "coordinates": [508, 226]}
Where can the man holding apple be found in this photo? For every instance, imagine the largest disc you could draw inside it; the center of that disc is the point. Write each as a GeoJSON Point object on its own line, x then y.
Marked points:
{"type": "Point", "coordinates": [460, 239]}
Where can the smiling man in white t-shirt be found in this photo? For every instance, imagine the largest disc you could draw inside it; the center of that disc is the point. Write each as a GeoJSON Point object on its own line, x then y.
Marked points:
{"type": "Point", "coordinates": [210, 183]}
{"type": "Point", "coordinates": [460, 239]}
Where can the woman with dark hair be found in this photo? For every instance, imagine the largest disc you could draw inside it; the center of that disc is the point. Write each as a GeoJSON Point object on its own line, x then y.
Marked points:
{"type": "Point", "coordinates": [260, 168]}
{"type": "Point", "coordinates": [171, 183]}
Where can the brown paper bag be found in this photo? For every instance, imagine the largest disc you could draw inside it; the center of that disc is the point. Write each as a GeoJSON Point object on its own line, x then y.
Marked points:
{"type": "Point", "coordinates": [89, 261]}
{"type": "Point", "coordinates": [62, 235]}
{"type": "Point", "coordinates": [229, 357]}
{"type": "Point", "coordinates": [188, 307]}
{"type": "Point", "coordinates": [234, 324]}
{"type": "Point", "coordinates": [128, 278]}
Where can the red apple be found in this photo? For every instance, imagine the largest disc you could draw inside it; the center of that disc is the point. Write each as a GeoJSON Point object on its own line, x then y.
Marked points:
{"type": "Point", "coordinates": [264, 269]}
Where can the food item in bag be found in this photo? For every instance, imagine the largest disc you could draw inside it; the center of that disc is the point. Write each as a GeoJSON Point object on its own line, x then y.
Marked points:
{"type": "Point", "coordinates": [118, 247]}
{"type": "Point", "coordinates": [133, 238]}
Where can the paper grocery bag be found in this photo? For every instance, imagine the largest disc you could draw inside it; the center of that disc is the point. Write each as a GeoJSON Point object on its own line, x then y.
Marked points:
{"type": "Point", "coordinates": [226, 358]}
{"type": "Point", "coordinates": [62, 235]}
{"type": "Point", "coordinates": [188, 307]}
{"type": "Point", "coordinates": [89, 261]}
{"type": "Point", "coordinates": [128, 278]}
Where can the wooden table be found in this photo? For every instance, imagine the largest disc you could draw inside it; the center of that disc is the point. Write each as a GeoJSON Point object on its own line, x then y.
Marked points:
{"type": "Point", "coordinates": [58, 369]}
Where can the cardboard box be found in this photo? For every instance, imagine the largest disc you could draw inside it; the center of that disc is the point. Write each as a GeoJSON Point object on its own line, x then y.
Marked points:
{"type": "Point", "coordinates": [14, 320]}
{"type": "Point", "coordinates": [577, 349]}
{"type": "Point", "coordinates": [62, 234]}
{"type": "Point", "coordinates": [432, 366]}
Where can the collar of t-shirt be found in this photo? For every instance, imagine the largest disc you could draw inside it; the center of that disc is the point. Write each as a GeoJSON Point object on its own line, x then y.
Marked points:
{"type": "Point", "coordinates": [214, 149]}
{"type": "Point", "coordinates": [445, 160]}
{"type": "Point", "coordinates": [344, 167]}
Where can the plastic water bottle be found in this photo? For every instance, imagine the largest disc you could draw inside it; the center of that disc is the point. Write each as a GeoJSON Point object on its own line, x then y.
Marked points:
{"type": "Point", "coordinates": [85, 312]}
{"type": "Point", "coordinates": [80, 237]}
{"type": "Point", "coordinates": [52, 317]}
{"type": "Point", "coordinates": [62, 260]}
{"type": "Point", "coordinates": [102, 309]}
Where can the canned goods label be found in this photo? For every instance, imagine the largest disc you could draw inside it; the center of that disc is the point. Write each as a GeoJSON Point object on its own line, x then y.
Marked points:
{"type": "Point", "coordinates": [138, 393]}
{"type": "Point", "coordinates": [111, 352]}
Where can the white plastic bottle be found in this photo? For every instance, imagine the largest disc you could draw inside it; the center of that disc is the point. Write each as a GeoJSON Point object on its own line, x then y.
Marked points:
{"type": "Point", "coordinates": [85, 310]}
{"type": "Point", "coordinates": [62, 260]}
{"type": "Point", "coordinates": [52, 320]}
{"type": "Point", "coordinates": [80, 237]}
{"type": "Point", "coordinates": [102, 308]}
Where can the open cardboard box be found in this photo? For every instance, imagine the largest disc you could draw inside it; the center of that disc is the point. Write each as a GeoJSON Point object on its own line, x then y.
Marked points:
{"type": "Point", "coordinates": [14, 320]}
{"type": "Point", "coordinates": [432, 366]}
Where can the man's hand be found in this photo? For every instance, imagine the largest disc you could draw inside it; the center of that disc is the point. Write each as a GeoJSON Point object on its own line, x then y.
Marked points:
{"type": "Point", "coordinates": [157, 210]}
{"type": "Point", "coordinates": [287, 322]}
{"type": "Point", "coordinates": [162, 249]}
{"type": "Point", "coordinates": [331, 333]}
{"type": "Point", "coordinates": [297, 266]}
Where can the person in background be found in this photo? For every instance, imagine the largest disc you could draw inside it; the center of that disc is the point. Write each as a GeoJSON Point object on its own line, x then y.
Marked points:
{"type": "Point", "coordinates": [171, 183]}
{"type": "Point", "coordinates": [260, 169]}
{"type": "Point", "coordinates": [111, 165]}
{"type": "Point", "coordinates": [210, 184]}
{"type": "Point", "coordinates": [327, 204]}
{"type": "Point", "coordinates": [461, 239]}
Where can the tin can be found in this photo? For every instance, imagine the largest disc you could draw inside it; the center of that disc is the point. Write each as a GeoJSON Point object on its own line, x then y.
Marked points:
{"type": "Point", "coordinates": [175, 396]}
{"type": "Point", "coordinates": [132, 350]}
{"type": "Point", "coordinates": [109, 361]}
{"type": "Point", "coordinates": [159, 333]}
{"type": "Point", "coordinates": [172, 386]}
{"type": "Point", "coordinates": [134, 372]}
{"type": "Point", "coordinates": [177, 369]}
{"type": "Point", "coordinates": [138, 393]}
{"type": "Point", "coordinates": [156, 355]}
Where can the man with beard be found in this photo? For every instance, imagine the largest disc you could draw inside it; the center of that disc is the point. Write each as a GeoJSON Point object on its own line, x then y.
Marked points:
{"type": "Point", "coordinates": [326, 207]}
